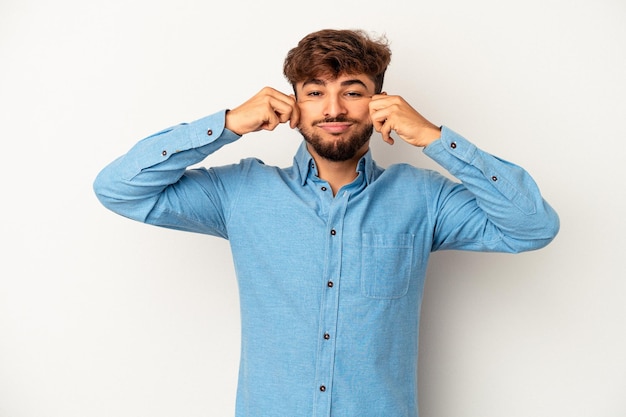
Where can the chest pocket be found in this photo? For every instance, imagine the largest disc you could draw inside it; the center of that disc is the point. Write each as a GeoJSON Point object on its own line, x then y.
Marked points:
{"type": "Point", "coordinates": [386, 264]}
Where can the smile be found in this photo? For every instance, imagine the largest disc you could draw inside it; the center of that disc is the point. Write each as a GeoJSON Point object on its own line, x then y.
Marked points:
{"type": "Point", "coordinates": [334, 127]}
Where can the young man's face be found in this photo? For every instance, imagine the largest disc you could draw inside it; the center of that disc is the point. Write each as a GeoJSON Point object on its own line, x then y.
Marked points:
{"type": "Point", "coordinates": [334, 115]}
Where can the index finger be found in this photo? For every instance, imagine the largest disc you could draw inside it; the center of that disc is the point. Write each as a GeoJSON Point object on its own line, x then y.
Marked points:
{"type": "Point", "coordinates": [285, 108]}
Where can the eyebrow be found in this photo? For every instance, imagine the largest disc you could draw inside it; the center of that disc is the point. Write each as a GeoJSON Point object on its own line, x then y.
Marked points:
{"type": "Point", "coordinates": [346, 83]}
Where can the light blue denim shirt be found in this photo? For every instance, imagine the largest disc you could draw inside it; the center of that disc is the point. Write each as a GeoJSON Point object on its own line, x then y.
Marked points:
{"type": "Point", "coordinates": [330, 287]}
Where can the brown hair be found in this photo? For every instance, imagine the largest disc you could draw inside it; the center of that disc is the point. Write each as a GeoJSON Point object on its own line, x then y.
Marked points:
{"type": "Point", "coordinates": [332, 53]}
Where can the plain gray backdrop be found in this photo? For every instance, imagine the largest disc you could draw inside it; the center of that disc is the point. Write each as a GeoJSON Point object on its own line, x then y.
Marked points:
{"type": "Point", "coordinates": [102, 316]}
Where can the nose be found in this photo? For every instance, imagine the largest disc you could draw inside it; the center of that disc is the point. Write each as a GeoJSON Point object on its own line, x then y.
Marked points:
{"type": "Point", "coordinates": [334, 106]}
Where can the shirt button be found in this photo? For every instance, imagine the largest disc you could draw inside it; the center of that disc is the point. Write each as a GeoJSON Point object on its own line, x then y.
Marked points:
{"type": "Point", "coordinates": [326, 336]}
{"type": "Point", "coordinates": [333, 232]}
{"type": "Point", "coordinates": [324, 188]}
{"type": "Point", "coordinates": [453, 145]}
{"type": "Point", "coordinates": [209, 132]}
{"type": "Point", "coordinates": [330, 284]}
{"type": "Point", "coordinates": [494, 178]}
{"type": "Point", "coordinates": [164, 153]}
{"type": "Point", "coordinates": [322, 388]}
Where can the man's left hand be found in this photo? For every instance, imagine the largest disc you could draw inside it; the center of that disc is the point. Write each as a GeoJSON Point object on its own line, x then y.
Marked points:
{"type": "Point", "coordinates": [393, 113]}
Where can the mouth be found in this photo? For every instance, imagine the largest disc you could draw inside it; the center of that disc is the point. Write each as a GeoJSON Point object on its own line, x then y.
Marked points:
{"type": "Point", "coordinates": [334, 127]}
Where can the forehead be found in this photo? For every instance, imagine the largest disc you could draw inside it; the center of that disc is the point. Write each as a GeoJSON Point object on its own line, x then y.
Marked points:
{"type": "Point", "coordinates": [342, 80]}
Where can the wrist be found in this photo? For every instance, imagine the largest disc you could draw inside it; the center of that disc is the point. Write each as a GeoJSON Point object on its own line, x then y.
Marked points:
{"type": "Point", "coordinates": [431, 134]}
{"type": "Point", "coordinates": [230, 124]}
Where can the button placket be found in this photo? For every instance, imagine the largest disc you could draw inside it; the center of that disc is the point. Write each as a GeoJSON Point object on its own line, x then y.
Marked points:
{"type": "Point", "coordinates": [325, 363]}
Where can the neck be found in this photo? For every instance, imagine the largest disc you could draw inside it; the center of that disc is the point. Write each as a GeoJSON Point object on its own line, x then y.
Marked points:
{"type": "Point", "coordinates": [337, 173]}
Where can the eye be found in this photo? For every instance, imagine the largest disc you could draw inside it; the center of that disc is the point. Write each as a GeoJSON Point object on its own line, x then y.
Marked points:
{"type": "Point", "coordinates": [354, 94]}
{"type": "Point", "coordinates": [314, 93]}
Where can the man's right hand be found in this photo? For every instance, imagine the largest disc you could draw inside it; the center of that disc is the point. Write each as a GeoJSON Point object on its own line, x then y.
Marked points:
{"type": "Point", "coordinates": [266, 110]}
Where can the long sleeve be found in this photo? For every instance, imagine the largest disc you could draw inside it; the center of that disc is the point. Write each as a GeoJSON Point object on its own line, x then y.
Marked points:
{"type": "Point", "coordinates": [498, 207]}
{"type": "Point", "coordinates": [152, 178]}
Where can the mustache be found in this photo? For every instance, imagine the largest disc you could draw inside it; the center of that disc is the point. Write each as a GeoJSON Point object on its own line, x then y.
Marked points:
{"type": "Point", "coordinates": [338, 119]}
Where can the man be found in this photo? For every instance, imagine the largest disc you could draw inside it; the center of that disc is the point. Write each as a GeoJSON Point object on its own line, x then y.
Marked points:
{"type": "Point", "coordinates": [331, 253]}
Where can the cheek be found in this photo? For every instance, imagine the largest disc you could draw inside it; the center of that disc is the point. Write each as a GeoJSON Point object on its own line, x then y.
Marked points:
{"type": "Point", "coordinates": [361, 110]}
{"type": "Point", "coordinates": [307, 113]}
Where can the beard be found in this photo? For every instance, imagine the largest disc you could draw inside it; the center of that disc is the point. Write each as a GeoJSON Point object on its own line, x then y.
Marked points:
{"type": "Point", "coordinates": [341, 148]}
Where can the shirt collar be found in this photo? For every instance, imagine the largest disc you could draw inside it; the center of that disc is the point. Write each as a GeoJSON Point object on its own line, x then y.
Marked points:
{"type": "Point", "coordinates": [305, 164]}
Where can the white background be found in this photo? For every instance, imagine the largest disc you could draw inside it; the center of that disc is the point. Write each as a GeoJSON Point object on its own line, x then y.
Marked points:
{"type": "Point", "coordinates": [102, 316]}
